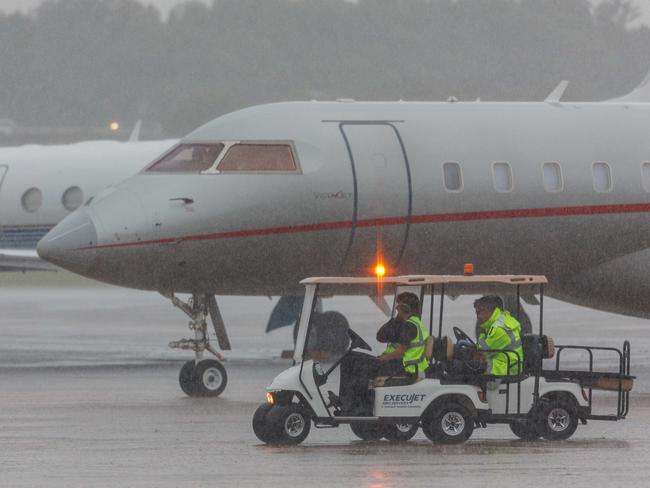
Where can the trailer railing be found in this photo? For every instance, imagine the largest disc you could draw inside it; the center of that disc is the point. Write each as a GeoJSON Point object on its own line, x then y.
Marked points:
{"type": "Point", "coordinates": [619, 381]}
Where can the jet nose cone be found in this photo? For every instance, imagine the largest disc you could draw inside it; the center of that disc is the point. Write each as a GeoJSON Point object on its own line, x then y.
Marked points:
{"type": "Point", "coordinates": [70, 243]}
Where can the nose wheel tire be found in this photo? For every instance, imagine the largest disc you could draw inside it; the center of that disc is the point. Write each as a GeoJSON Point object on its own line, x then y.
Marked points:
{"type": "Point", "coordinates": [186, 378]}
{"type": "Point", "coordinates": [450, 424]}
{"type": "Point", "coordinates": [557, 420]}
{"type": "Point", "coordinates": [208, 378]}
{"type": "Point", "coordinates": [399, 432]}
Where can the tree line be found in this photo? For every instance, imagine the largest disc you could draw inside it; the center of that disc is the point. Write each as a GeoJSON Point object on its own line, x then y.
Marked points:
{"type": "Point", "coordinates": [75, 62]}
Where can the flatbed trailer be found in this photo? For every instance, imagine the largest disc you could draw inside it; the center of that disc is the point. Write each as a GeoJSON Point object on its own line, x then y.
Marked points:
{"type": "Point", "coordinates": [619, 381]}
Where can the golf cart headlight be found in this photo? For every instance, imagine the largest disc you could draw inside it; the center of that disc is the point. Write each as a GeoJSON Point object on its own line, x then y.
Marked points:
{"type": "Point", "coordinates": [269, 398]}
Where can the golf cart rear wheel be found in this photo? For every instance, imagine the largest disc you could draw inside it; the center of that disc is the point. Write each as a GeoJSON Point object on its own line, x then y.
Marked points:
{"type": "Point", "coordinates": [449, 424]}
{"type": "Point", "coordinates": [558, 419]}
{"type": "Point", "coordinates": [210, 378]}
{"type": "Point", "coordinates": [399, 432]}
{"type": "Point", "coordinates": [525, 430]}
{"type": "Point", "coordinates": [289, 424]}
{"type": "Point", "coordinates": [368, 431]}
{"type": "Point", "coordinates": [261, 426]}
{"type": "Point", "coordinates": [186, 379]}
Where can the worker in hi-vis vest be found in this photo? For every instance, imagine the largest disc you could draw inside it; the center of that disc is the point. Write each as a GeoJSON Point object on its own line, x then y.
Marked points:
{"type": "Point", "coordinates": [406, 338]}
{"type": "Point", "coordinates": [404, 356]}
{"type": "Point", "coordinates": [500, 337]}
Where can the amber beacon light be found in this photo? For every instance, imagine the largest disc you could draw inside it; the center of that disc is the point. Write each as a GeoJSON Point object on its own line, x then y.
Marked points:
{"type": "Point", "coordinates": [380, 270]}
{"type": "Point", "coordinates": [468, 269]}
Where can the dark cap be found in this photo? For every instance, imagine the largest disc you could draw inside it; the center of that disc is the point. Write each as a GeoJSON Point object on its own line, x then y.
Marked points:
{"type": "Point", "coordinates": [408, 303]}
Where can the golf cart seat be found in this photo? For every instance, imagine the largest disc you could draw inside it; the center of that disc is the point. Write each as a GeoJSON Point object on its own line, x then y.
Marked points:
{"type": "Point", "coordinates": [440, 349]}
{"type": "Point", "coordinates": [408, 379]}
{"type": "Point", "coordinates": [535, 349]}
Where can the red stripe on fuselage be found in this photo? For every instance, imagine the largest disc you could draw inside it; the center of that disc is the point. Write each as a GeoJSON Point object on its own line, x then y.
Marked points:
{"type": "Point", "coordinates": [415, 219]}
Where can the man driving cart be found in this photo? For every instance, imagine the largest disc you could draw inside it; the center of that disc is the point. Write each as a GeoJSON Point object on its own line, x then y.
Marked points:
{"type": "Point", "coordinates": [500, 332]}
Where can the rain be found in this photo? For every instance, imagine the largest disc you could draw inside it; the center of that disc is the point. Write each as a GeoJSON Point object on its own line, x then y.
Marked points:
{"type": "Point", "coordinates": [157, 214]}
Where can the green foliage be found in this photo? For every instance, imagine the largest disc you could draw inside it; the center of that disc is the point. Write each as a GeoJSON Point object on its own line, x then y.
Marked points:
{"type": "Point", "coordinates": [77, 62]}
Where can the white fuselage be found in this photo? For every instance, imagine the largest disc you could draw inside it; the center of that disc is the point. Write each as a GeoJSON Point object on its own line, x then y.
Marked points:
{"type": "Point", "coordinates": [371, 182]}
{"type": "Point", "coordinates": [40, 185]}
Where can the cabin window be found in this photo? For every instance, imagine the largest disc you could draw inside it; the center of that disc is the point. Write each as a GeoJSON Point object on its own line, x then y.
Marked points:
{"type": "Point", "coordinates": [32, 200]}
{"type": "Point", "coordinates": [645, 175]}
{"type": "Point", "coordinates": [191, 158]}
{"type": "Point", "coordinates": [553, 181]}
{"type": "Point", "coordinates": [453, 176]}
{"type": "Point", "coordinates": [72, 198]}
{"type": "Point", "coordinates": [602, 175]}
{"type": "Point", "coordinates": [502, 177]}
{"type": "Point", "coordinates": [258, 157]}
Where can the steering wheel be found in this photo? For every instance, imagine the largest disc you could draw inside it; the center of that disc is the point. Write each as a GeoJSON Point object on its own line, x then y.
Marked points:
{"type": "Point", "coordinates": [357, 341]}
{"type": "Point", "coordinates": [462, 336]}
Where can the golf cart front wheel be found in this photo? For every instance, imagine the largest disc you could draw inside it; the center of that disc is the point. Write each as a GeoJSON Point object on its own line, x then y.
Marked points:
{"type": "Point", "coordinates": [261, 427]}
{"type": "Point", "coordinates": [288, 424]}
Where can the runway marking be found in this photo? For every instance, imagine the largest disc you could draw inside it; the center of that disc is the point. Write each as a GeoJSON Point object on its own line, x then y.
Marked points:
{"type": "Point", "coordinates": [525, 213]}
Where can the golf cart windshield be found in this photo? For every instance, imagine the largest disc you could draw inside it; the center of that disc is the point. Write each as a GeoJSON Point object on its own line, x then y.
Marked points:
{"type": "Point", "coordinates": [336, 308]}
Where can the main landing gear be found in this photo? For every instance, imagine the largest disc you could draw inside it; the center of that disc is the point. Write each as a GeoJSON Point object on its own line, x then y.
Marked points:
{"type": "Point", "coordinates": [202, 377]}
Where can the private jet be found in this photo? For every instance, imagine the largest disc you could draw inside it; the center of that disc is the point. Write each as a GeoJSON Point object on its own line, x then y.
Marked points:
{"type": "Point", "coordinates": [256, 200]}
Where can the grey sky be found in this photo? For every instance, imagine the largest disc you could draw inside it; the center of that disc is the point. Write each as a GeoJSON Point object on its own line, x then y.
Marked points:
{"type": "Point", "coordinates": [9, 6]}
{"type": "Point", "coordinates": [164, 6]}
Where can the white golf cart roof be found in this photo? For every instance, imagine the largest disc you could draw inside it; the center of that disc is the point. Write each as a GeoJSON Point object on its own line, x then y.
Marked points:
{"type": "Point", "coordinates": [461, 281]}
{"type": "Point", "coordinates": [428, 279]}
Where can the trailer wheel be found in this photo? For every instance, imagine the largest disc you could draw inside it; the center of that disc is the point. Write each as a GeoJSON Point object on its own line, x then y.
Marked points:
{"type": "Point", "coordinates": [558, 419]}
{"type": "Point", "coordinates": [450, 424]}
{"type": "Point", "coordinates": [210, 378]}
{"type": "Point", "coordinates": [290, 424]}
{"type": "Point", "coordinates": [399, 432]}
{"type": "Point", "coordinates": [261, 427]}
{"type": "Point", "coordinates": [186, 379]}
{"type": "Point", "coordinates": [368, 431]}
{"type": "Point", "coordinates": [526, 430]}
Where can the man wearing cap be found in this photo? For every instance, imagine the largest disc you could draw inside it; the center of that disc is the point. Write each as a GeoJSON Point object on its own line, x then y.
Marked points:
{"type": "Point", "coordinates": [405, 337]}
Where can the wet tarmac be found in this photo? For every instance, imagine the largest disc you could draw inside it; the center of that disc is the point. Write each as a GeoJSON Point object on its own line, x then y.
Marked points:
{"type": "Point", "coordinates": [90, 399]}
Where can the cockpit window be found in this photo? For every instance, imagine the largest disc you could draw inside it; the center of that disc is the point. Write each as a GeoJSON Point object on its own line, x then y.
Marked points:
{"type": "Point", "coordinates": [188, 158]}
{"type": "Point", "coordinates": [258, 157]}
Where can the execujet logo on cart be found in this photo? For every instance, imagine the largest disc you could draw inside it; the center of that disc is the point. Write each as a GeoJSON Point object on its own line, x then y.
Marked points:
{"type": "Point", "coordinates": [411, 400]}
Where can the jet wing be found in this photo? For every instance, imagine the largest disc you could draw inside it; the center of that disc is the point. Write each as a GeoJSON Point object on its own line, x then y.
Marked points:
{"type": "Point", "coordinates": [23, 260]}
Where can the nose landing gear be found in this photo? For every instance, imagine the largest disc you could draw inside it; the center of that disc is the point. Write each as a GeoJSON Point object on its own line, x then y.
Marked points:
{"type": "Point", "coordinates": [202, 377]}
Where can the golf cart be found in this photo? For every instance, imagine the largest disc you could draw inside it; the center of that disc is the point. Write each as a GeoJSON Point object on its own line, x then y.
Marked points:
{"type": "Point", "coordinates": [456, 395]}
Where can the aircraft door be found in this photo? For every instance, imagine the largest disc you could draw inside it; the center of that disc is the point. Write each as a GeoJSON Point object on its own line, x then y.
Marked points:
{"type": "Point", "coordinates": [3, 171]}
{"type": "Point", "coordinates": [382, 196]}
